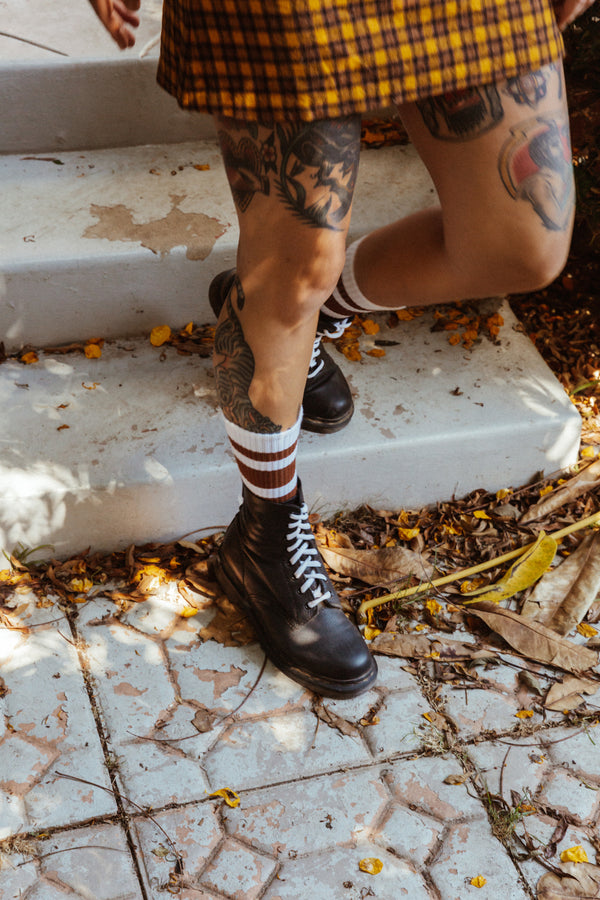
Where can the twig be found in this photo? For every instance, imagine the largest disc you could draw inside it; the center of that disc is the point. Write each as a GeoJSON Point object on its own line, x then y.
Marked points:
{"type": "Point", "coordinates": [220, 721]}
{"type": "Point", "coordinates": [132, 802]}
{"type": "Point", "coordinates": [472, 570]}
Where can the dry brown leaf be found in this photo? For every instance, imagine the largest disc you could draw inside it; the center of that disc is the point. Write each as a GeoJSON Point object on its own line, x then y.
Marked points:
{"type": "Point", "coordinates": [580, 882]}
{"type": "Point", "coordinates": [567, 694]}
{"type": "Point", "coordinates": [585, 481]}
{"type": "Point", "coordinates": [333, 720]}
{"type": "Point", "coordinates": [379, 566]}
{"type": "Point", "coordinates": [419, 646]}
{"type": "Point", "coordinates": [565, 594]}
{"type": "Point", "coordinates": [229, 627]}
{"type": "Point", "coordinates": [535, 641]}
{"type": "Point", "coordinates": [204, 720]}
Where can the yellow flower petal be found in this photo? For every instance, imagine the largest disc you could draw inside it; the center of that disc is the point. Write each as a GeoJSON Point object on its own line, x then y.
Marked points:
{"type": "Point", "coordinates": [160, 335]}
{"type": "Point", "coordinates": [524, 714]}
{"type": "Point", "coordinates": [29, 358]}
{"type": "Point", "coordinates": [369, 326]}
{"type": "Point", "coordinates": [92, 351]}
{"type": "Point", "coordinates": [371, 632]}
{"type": "Point", "coordinates": [587, 630]}
{"type": "Point", "coordinates": [407, 534]}
{"type": "Point", "coordinates": [188, 611]}
{"type": "Point", "coordinates": [480, 514]}
{"type": "Point", "coordinates": [478, 881]}
{"type": "Point", "coordinates": [574, 854]}
{"type": "Point", "coordinates": [230, 797]}
{"type": "Point", "coordinates": [371, 865]}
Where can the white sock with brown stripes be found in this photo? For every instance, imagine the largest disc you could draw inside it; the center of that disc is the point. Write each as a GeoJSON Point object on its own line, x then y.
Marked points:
{"type": "Point", "coordinates": [347, 298]}
{"type": "Point", "coordinates": [267, 462]}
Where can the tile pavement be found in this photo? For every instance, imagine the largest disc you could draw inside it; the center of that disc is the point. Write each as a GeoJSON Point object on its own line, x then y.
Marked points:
{"type": "Point", "coordinates": [106, 782]}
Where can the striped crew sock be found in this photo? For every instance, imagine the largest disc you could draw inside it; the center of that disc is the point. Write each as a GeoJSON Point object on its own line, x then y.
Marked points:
{"type": "Point", "coordinates": [347, 298]}
{"type": "Point", "coordinates": [267, 462]}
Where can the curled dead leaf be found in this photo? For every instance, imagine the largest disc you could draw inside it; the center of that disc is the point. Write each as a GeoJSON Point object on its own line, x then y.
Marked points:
{"type": "Point", "coordinates": [581, 881]}
{"type": "Point", "coordinates": [525, 571]}
{"type": "Point", "coordinates": [568, 693]}
{"type": "Point", "coordinates": [585, 481]}
{"type": "Point", "coordinates": [564, 595]}
{"type": "Point", "coordinates": [535, 641]}
{"type": "Point", "coordinates": [379, 566]}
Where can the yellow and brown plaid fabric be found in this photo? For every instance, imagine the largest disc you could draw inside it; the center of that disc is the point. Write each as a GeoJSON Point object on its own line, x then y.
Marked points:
{"type": "Point", "coordinates": [272, 60]}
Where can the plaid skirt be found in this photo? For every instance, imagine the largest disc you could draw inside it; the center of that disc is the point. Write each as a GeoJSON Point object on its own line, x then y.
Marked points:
{"type": "Point", "coordinates": [276, 60]}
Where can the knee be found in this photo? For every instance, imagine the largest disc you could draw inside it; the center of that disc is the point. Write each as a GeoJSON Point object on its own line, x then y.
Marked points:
{"type": "Point", "coordinates": [535, 263]}
{"type": "Point", "coordinates": [296, 279]}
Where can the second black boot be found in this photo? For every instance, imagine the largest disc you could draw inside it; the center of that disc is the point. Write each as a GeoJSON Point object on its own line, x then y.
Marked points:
{"type": "Point", "coordinates": [270, 567]}
{"type": "Point", "coordinates": [327, 403]}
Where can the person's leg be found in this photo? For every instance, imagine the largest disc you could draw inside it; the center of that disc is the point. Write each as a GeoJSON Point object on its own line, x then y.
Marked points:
{"type": "Point", "coordinates": [292, 187]}
{"type": "Point", "coordinates": [500, 159]}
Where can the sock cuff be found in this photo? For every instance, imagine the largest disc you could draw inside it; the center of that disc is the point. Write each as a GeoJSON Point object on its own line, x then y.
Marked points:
{"type": "Point", "coordinates": [263, 444]}
{"type": "Point", "coordinates": [347, 293]}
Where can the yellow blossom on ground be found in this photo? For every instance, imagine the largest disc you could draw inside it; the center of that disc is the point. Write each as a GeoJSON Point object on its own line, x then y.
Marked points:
{"type": "Point", "coordinates": [369, 326]}
{"type": "Point", "coordinates": [546, 490]}
{"type": "Point", "coordinates": [588, 452]}
{"type": "Point", "coordinates": [407, 534]}
{"type": "Point", "coordinates": [434, 607]}
{"type": "Point", "coordinates": [503, 493]}
{"type": "Point", "coordinates": [80, 584]}
{"type": "Point", "coordinates": [371, 865]}
{"type": "Point", "coordinates": [377, 352]}
{"type": "Point", "coordinates": [230, 797]}
{"type": "Point", "coordinates": [371, 632]}
{"type": "Point", "coordinates": [524, 714]}
{"type": "Point", "coordinates": [160, 335]}
{"type": "Point", "coordinates": [587, 630]}
{"type": "Point", "coordinates": [30, 358]}
{"type": "Point", "coordinates": [574, 854]}
{"type": "Point", "coordinates": [92, 351]}
{"type": "Point", "coordinates": [478, 881]}
{"type": "Point", "coordinates": [188, 611]}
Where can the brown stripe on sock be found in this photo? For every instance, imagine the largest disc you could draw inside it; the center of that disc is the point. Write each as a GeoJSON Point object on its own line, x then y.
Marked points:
{"type": "Point", "coordinates": [272, 478]}
{"type": "Point", "coordinates": [263, 457]}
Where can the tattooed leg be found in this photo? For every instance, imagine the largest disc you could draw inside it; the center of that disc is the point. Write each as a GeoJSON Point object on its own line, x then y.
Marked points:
{"type": "Point", "coordinates": [292, 186]}
{"type": "Point", "coordinates": [500, 159]}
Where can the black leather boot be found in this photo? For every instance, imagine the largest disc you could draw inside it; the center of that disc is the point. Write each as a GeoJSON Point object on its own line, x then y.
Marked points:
{"type": "Point", "coordinates": [269, 566]}
{"type": "Point", "coordinates": [327, 404]}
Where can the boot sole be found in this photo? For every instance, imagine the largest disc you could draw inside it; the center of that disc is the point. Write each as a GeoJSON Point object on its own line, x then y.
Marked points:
{"type": "Point", "coordinates": [327, 426]}
{"type": "Point", "coordinates": [334, 689]}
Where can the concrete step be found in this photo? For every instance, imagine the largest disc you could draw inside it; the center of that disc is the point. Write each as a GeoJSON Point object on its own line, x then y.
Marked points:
{"type": "Point", "coordinates": [112, 242]}
{"type": "Point", "coordinates": [144, 455]}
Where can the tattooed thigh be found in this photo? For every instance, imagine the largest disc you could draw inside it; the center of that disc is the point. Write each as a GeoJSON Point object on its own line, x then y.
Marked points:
{"type": "Point", "coordinates": [310, 168]}
{"type": "Point", "coordinates": [467, 114]}
{"type": "Point", "coordinates": [535, 166]}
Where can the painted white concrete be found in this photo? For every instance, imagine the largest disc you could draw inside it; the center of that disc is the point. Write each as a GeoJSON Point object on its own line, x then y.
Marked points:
{"type": "Point", "coordinates": [113, 287]}
{"type": "Point", "coordinates": [144, 456]}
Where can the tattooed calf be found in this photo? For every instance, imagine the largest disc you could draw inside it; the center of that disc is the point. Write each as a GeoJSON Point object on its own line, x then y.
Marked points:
{"type": "Point", "coordinates": [234, 369]}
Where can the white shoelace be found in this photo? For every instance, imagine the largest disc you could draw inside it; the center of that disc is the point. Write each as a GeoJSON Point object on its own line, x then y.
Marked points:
{"type": "Point", "coordinates": [303, 552]}
{"type": "Point", "coordinates": [335, 330]}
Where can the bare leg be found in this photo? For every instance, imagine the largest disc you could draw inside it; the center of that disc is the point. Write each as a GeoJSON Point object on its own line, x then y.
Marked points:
{"type": "Point", "coordinates": [293, 188]}
{"type": "Point", "coordinates": [500, 159]}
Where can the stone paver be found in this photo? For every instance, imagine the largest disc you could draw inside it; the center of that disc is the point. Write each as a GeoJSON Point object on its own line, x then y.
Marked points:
{"type": "Point", "coordinates": [137, 699]}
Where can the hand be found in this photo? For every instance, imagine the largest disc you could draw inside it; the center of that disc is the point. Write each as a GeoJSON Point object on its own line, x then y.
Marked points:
{"type": "Point", "coordinates": [116, 15]}
{"type": "Point", "coordinates": [569, 10]}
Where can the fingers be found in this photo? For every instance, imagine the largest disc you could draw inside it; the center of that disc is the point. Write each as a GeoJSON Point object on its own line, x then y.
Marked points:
{"type": "Point", "coordinates": [117, 16]}
{"type": "Point", "coordinates": [569, 10]}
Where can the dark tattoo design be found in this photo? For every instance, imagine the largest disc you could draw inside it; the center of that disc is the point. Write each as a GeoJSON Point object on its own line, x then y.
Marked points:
{"type": "Point", "coordinates": [318, 170]}
{"type": "Point", "coordinates": [535, 165]}
{"type": "Point", "coordinates": [462, 115]}
{"type": "Point", "coordinates": [314, 166]}
{"type": "Point", "coordinates": [532, 88]}
{"type": "Point", "coordinates": [234, 369]}
{"type": "Point", "coordinates": [244, 167]}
